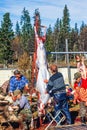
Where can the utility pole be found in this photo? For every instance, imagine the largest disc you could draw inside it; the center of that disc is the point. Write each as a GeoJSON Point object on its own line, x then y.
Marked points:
{"type": "Point", "coordinates": [67, 60]}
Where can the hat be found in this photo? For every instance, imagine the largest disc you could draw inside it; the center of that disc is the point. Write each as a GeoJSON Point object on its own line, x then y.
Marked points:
{"type": "Point", "coordinates": [16, 92]}
{"type": "Point", "coordinates": [16, 72]}
{"type": "Point", "coordinates": [77, 75]}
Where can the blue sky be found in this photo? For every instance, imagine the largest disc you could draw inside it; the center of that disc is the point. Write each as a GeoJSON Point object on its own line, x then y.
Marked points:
{"type": "Point", "coordinates": [49, 10]}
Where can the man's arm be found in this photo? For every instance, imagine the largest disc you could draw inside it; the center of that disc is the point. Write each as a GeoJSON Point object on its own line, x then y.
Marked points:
{"type": "Point", "coordinates": [26, 87]}
{"type": "Point", "coordinates": [49, 86]}
{"type": "Point", "coordinates": [26, 82]}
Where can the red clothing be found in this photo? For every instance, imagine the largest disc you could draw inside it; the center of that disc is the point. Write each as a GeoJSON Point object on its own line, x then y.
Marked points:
{"type": "Point", "coordinates": [82, 84]}
{"type": "Point", "coordinates": [80, 93]}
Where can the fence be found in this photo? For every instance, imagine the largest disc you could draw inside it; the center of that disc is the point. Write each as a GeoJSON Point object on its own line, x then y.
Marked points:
{"type": "Point", "coordinates": [67, 53]}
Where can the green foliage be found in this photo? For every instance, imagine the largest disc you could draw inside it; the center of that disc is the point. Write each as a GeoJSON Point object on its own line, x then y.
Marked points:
{"type": "Point", "coordinates": [13, 46]}
{"type": "Point", "coordinates": [26, 29]}
{"type": "Point", "coordinates": [73, 40]}
{"type": "Point", "coordinates": [24, 64]}
{"type": "Point", "coordinates": [83, 25]}
{"type": "Point", "coordinates": [49, 41]}
{"type": "Point", "coordinates": [83, 39]}
{"type": "Point", "coordinates": [64, 28]}
{"type": "Point", "coordinates": [17, 32]}
{"type": "Point", "coordinates": [6, 37]}
{"type": "Point", "coordinates": [66, 21]}
{"type": "Point", "coordinates": [56, 35]}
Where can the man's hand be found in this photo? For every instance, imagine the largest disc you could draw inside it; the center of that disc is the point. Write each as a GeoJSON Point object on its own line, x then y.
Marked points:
{"type": "Point", "coordinates": [11, 94]}
{"type": "Point", "coordinates": [46, 81]}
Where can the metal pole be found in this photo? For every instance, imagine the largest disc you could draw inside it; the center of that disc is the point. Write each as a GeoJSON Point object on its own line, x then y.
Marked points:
{"type": "Point", "coordinates": [68, 64]}
{"type": "Point", "coordinates": [73, 52]}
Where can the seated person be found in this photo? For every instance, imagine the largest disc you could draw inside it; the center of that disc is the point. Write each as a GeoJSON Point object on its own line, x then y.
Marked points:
{"type": "Point", "coordinates": [21, 104]}
{"type": "Point", "coordinates": [80, 95]}
{"type": "Point", "coordinates": [18, 81]}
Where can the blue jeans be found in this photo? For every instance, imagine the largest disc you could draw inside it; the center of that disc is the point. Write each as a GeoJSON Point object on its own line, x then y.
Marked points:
{"type": "Point", "coordinates": [62, 104]}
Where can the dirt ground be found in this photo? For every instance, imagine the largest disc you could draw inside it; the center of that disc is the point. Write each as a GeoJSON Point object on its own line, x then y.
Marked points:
{"type": "Point", "coordinates": [74, 110]}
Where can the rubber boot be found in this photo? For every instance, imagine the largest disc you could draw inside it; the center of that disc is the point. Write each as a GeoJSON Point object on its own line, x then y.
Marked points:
{"type": "Point", "coordinates": [83, 120]}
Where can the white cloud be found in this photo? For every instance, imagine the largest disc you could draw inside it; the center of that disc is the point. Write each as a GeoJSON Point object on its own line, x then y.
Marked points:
{"type": "Point", "coordinates": [49, 10]}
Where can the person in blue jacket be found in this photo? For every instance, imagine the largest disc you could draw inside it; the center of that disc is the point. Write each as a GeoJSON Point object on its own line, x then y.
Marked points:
{"type": "Point", "coordinates": [18, 81]}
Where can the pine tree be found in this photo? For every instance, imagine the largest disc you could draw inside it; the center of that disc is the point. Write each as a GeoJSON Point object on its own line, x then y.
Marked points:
{"type": "Point", "coordinates": [26, 29]}
{"type": "Point", "coordinates": [83, 39]}
{"type": "Point", "coordinates": [18, 32]}
{"type": "Point", "coordinates": [66, 21]}
{"type": "Point", "coordinates": [73, 39]}
{"type": "Point", "coordinates": [6, 38]}
{"type": "Point", "coordinates": [49, 41]}
{"type": "Point", "coordinates": [73, 42]}
{"type": "Point", "coordinates": [64, 29]}
{"type": "Point", "coordinates": [82, 25]}
{"type": "Point", "coordinates": [56, 35]}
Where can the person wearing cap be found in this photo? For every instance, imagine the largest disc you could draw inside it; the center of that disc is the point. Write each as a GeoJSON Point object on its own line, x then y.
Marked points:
{"type": "Point", "coordinates": [79, 81]}
{"type": "Point", "coordinates": [57, 89]}
{"type": "Point", "coordinates": [21, 104]}
{"type": "Point", "coordinates": [18, 81]}
{"type": "Point", "coordinates": [80, 95]}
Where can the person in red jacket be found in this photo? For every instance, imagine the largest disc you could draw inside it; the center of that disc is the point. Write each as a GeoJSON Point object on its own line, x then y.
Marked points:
{"type": "Point", "coordinates": [79, 81]}
{"type": "Point", "coordinates": [80, 94]}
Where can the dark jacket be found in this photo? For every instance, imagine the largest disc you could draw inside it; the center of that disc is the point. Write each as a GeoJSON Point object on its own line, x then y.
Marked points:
{"type": "Point", "coordinates": [56, 83]}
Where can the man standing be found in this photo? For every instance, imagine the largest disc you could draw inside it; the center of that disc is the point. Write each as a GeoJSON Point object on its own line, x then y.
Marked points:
{"type": "Point", "coordinates": [18, 81]}
{"type": "Point", "coordinates": [56, 88]}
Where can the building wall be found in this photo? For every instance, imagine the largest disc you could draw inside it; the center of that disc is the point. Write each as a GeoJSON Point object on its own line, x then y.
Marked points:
{"type": "Point", "coordinates": [64, 71]}
{"type": "Point", "coordinates": [5, 74]}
